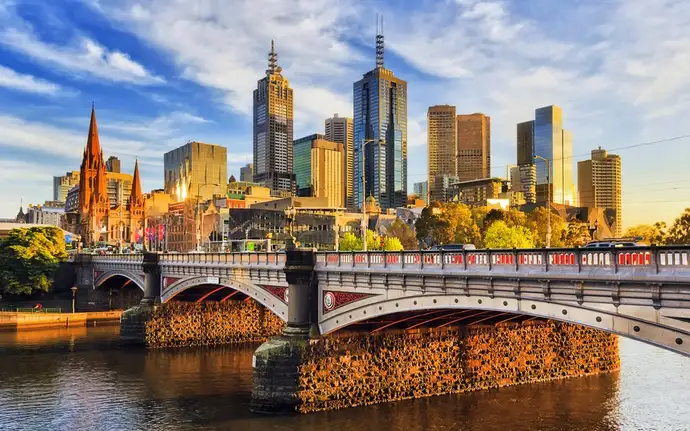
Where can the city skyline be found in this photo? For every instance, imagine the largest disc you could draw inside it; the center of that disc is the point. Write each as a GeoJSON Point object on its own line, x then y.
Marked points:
{"type": "Point", "coordinates": [48, 92]}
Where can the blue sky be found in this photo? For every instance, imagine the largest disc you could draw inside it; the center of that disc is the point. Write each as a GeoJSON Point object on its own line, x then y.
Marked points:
{"type": "Point", "coordinates": [162, 72]}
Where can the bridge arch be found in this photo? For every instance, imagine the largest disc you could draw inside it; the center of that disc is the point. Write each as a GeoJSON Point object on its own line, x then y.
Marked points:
{"type": "Point", "coordinates": [275, 303]}
{"type": "Point", "coordinates": [105, 276]}
{"type": "Point", "coordinates": [675, 338]}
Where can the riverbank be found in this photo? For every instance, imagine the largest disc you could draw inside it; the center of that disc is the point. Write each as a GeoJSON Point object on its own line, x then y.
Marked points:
{"type": "Point", "coordinates": [14, 321]}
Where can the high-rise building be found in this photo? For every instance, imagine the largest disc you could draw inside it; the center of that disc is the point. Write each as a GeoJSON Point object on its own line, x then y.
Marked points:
{"type": "Point", "coordinates": [62, 185]}
{"type": "Point", "coordinates": [380, 113]}
{"type": "Point", "coordinates": [525, 143]}
{"type": "Point", "coordinates": [339, 129]}
{"type": "Point", "coordinates": [112, 165]}
{"type": "Point", "coordinates": [247, 173]}
{"type": "Point", "coordinates": [473, 147]}
{"type": "Point", "coordinates": [525, 180]}
{"type": "Point", "coordinates": [319, 169]}
{"type": "Point", "coordinates": [554, 144]}
{"type": "Point", "coordinates": [195, 169]}
{"type": "Point", "coordinates": [599, 184]}
{"type": "Point", "coordinates": [273, 128]}
{"type": "Point", "coordinates": [442, 140]}
{"type": "Point", "coordinates": [443, 188]}
{"type": "Point", "coordinates": [421, 189]}
{"type": "Point", "coordinates": [375, 179]}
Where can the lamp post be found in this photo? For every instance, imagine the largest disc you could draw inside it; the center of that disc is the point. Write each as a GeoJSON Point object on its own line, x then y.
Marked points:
{"type": "Point", "coordinates": [198, 212]}
{"type": "Point", "coordinates": [74, 296]}
{"type": "Point", "coordinates": [364, 194]}
{"type": "Point", "coordinates": [548, 200]}
{"type": "Point", "coordinates": [290, 214]}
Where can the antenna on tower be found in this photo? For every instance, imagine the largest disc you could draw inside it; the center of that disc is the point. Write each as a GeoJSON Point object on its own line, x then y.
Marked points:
{"type": "Point", "coordinates": [272, 58]}
{"type": "Point", "coordinates": [379, 42]}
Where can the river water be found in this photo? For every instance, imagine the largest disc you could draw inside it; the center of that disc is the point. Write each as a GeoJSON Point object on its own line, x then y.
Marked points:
{"type": "Point", "coordinates": [80, 379]}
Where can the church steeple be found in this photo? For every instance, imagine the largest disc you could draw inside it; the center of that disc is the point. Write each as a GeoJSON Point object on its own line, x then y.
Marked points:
{"type": "Point", "coordinates": [93, 144]}
{"type": "Point", "coordinates": [136, 198]}
{"type": "Point", "coordinates": [92, 182]}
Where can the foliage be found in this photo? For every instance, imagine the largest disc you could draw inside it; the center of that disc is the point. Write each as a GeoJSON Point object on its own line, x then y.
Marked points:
{"type": "Point", "coordinates": [456, 225]}
{"type": "Point", "coordinates": [679, 233]}
{"type": "Point", "coordinates": [428, 223]}
{"type": "Point", "coordinates": [576, 235]}
{"type": "Point", "coordinates": [391, 243]}
{"type": "Point", "coordinates": [650, 234]}
{"type": "Point", "coordinates": [350, 242]}
{"type": "Point", "coordinates": [399, 229]}
{"type": "Point", "coordinates": [500, 235]}
{"type": "Point", "coordinates": [538, 221]}
{"type": "Point", "coordinates": [373, 240]}
{"type": "Point", "coordinates": [29, 257]}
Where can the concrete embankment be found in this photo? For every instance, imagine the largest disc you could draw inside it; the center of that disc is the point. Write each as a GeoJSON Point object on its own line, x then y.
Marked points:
{"type": "Point", "coordinates": [13, 321]}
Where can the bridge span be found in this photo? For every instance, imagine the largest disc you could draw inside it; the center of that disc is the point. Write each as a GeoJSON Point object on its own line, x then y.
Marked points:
{"type": "Point", "coordinates": [642, 293]}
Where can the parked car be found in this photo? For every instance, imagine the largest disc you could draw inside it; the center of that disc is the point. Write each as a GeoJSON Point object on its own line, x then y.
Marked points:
{"type": "Point", "coordinates": [608, 243]}
{"type": "Point", "coordinates": [453, 247]}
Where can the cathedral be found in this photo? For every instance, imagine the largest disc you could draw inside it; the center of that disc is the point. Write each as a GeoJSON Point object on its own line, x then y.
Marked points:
{"type": "Point", "coordinates": [99, 222]}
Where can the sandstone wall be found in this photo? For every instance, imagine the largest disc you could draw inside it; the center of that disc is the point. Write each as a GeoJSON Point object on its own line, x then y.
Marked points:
{"type": "Point", "coordinates": [181, 324]}
{"type": "Point", "coordinates": [350, 370]}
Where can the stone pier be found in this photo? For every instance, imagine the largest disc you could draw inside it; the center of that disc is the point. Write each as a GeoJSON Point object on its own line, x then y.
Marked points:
{"type": "Point", "coordinates": [134, 320]}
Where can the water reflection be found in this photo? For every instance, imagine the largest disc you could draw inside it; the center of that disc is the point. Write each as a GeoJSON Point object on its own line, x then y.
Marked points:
{"type": "Point", "coordinates": [80, 379]}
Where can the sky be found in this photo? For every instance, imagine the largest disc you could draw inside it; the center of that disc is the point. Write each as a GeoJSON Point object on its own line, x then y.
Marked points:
{"type": "Point", "coordinates": [164, 72]}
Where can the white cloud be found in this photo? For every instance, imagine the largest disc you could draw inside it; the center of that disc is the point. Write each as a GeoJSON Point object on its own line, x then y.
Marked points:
{"type": "Point", "coordinates": [82, 56]}
{"type": "Point", "coordinates": [28, 83]}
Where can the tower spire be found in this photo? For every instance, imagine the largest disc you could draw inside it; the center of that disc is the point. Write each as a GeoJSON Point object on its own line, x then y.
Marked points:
{"type": "Point", "coordinates": [272, 58]}
{"type": "Point", "coordinates": [379, 42]}
{"type": "Point", "coordinates": [135, 195]}
{"type": "Point", "coordinates": [93, 144]}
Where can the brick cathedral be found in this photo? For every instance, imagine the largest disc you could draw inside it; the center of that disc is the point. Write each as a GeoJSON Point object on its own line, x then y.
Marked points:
{"type": "Point", "coordinates": [99, 222]}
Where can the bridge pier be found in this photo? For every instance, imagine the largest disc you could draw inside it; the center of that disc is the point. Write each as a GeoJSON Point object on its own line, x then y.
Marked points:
{"type": "Point", "coordinates": [133, 320]}
{"type": "Point", "coordinates": [276, 363]}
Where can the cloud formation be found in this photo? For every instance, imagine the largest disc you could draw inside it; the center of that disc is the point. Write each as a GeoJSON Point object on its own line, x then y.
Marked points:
{"type": "Point", "coordinates": [21, 82]}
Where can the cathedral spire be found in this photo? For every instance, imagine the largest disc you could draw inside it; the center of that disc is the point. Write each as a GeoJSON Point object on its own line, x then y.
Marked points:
{"type": "Point", "coordinates": [93, 144]}
{"type": "Point", "coordinates": [136, 183]}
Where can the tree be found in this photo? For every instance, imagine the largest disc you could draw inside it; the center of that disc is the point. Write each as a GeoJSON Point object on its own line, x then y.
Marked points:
{"type": "Point", "coordinates": [500, 235]}
{"type": "Point", "coordinates": [391, 243]}
{"type": "Point", "coordinates": [538, 223]}
{"type": "Point", "coordinates": [350, 242]}
{"type": "Point", "coordinates": [457, 225]}
{"type": "Point", "coordinates": [679, 233]}
{"type": "Point", "coordinates": [576, 235]}
{"type": "Point", "coordinates": [29, 258]}
{"type": "Point", "coordinates": [373, 241]}
{"type": "Point", "coordinates": [399, 229]}
{"type": "Point", "coordinates": [650, 234]}
{"type": "Point", "coordinates": [428, 223]}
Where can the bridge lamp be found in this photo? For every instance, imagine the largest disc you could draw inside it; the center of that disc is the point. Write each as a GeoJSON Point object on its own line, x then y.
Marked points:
{"type": "Point", "coordinates": [74, 296]}
{"type": "Point", "coordinates": [290, 214]}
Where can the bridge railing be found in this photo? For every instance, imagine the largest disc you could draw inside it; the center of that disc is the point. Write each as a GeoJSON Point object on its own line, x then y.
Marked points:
{"type": "Point", "coordinates": [653, 259]}
{"type": "Point", "coordinates": [272, 258]}
{"type": "Point", "coordinates": [119, 258]}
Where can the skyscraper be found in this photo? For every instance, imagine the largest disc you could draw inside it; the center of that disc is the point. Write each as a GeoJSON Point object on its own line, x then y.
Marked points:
{"type": "Point", "coordinates": [62, 185]}
{"type": "Point", "coordinates": [421, 189]}
{"type": "Point", "coordinates": [526, 179]}
{"type": "Point", "coordinates": [380, 113]}
{"type": "Point", "coordinates": [599, 184]}
{"type": "Point", "coordinates": [246, 173]}
{"type": "Point", "coordinates": [319, 169]}
{"type": "Point", "coordinates": [375, 153]}
{"type": "Point", "coordinates": [273, 118]}
{"type": "Point", "coordinates": [473, 147]}
{"type": "Point", "coordinates": [195, 169]}
{"type": "Point", "coordinates": [339, 129]}
{"type": "Point", "coordinates": [442, 140]}
{"type": "Point", "coordinates": [553, 143]}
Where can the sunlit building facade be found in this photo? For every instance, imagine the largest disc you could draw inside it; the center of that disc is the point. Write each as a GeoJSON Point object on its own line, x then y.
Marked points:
{"type": "Point", "coordinates": [553, 143]}
{"type": "Point", "coordinates": [599, 184]}
{"type": "Point", "coordinates": [442, 142]}
{"type": "Point", "coordinates": [473, 147]}
{"type": "Point", "coordinates": [339, 129]}
{"type": "Point", "coordinates": [319, 169]}
{"type": "Point", "coordinates": [195, 169]}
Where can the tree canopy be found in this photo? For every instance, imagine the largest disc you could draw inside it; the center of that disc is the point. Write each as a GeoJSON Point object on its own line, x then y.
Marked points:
{"type": "Point", "coordinates": [352, 242]}
{"type": "Point", "coordinates": [29, 258]}
{"type": "Point", "coordinates": [500, 235]}
{"type": "Point", "coordinates": [679, 233]}
{"type": "Point", "coordinates": [405, 234]}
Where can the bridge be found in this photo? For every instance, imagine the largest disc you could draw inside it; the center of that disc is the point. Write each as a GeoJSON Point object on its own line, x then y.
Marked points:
{"type": "Point", "coordinates": [642, 293]}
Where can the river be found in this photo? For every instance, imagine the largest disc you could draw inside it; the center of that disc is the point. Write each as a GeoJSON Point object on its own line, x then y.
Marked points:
{"type": "Point", "coordinates": [80, 379]}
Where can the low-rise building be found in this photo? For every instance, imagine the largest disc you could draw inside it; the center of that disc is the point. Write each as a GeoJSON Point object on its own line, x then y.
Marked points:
{"type": "Point", "coordinates": [478, 192]}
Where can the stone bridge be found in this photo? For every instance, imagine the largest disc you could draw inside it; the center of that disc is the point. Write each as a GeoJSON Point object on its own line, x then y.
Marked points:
{"type": "Point", "coordinates": [640, 293]}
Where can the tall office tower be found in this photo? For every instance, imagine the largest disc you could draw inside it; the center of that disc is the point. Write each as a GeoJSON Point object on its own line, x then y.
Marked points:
{"type": "Point", "coordinates": [599, 184]}
{"type": "Point", "coordinates": [421, 189]}
{"type": "Point", "coordinates": [196, 169]}
{"type": "Point", "coordinates": [375, 154]}
{"type": "Point", "coordinates": [554, 144]}
{"type": "Point", "coordinates": [273, 118]}
{"type": "Point", "coordinates": [442, 140]}
{"type": "Point", "coordinates": [473, 147]}
{"type": "Point", "coordinates": [526, 181]}
{"type": "Point", "coordinates": [62, 185]}
{"type": "Point", "coordinates": [380, 113]}
{"type": "Point", "coordinates": [339, 129]}
{"type": "Point", "coordinates": [246, 173]}
{"type": "Point", "coordinates": [319, 169]}
{"type": "Point", "coordinates": [112, 165]}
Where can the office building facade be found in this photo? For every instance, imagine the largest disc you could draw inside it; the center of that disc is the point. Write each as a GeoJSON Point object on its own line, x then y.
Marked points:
{"type": "Point", "coordinates": [599, 184]}
{"type": "Point", "coordinates": [421, 189]}
{"type": "Point", "coordinates": [195, 169]}
{"type": "Point", "coordinates": [273, 129]}
{"type": "Point", "coordinates": [340, 130]}
{"type": "Point", "coordinates": [319, 169]}
{"type": "Point", "coordinates": [473, 147]}
{"type": "Point", "coordinates": [247, 173]}
{"type": "Point", "coordinates": [380, 115]}
{"type": "Point", "coordinates": [442, 142]}
{"type": "Point", "coordinates": [525, 180]}
{"type": "Point", "coordinates": [63, 184]}
{"type": "Point", "coordinates": [553, 143]}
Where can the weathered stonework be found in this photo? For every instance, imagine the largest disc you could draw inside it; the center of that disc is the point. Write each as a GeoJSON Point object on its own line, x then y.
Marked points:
{"type": "Point", "coordinates": [354, 369]}
{"type": "Point", "coordinates": [180, 324]}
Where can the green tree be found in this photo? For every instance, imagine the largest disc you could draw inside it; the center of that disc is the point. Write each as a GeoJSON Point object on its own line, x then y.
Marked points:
{"type": "Point", "coordinates": [500, 235]}
{"type": "Point", "coordinates": [373, 241]}
{"type": "Point", "coordinates": [457, 225]}
{"type": "Point", "coordinates": [576, 235]}
{"type": "Point", "coordinates": [537, 222]}
{"type": "Point", "coordinates": [350, 242]}
{"type": "Point", "coordinates": [391, 243]}
{"type": "Point", "coordinates": [399, 229]}
{"type": "Point", "coordinates": [679, 233]}
{"type": "Point", "coordinates": [29, 258]}
{"type": "Point", "coordinates": [650, 234]}
{"type": "Point", "coordinates": [428, 223]}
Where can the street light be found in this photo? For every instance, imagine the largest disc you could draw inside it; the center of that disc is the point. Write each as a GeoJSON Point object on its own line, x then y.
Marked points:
{"type": "Point", "coordinates": [290, 214]}
{"type": "Point", "coordinates": [74, 295]}
{"type": "Point", "coordinates": [198, 212]}
{"type": "Point", "coordinates": [548, 200]}
{"type": "Point", "coordinates": [364, 194]}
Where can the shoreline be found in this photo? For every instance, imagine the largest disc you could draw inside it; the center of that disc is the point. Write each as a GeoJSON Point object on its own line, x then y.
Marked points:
{"type": "Point", "coordinates": [18, 321]}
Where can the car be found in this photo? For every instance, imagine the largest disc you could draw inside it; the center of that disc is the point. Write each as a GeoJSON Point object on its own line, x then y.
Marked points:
{"type": "Point", "coordinates": [615, 243]}
{"type": "Point", "coordinates": [453, 247]}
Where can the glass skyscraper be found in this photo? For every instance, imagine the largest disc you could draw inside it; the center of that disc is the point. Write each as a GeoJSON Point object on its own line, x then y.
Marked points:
{"type": "Point", "coordinates": [553, 143]}
{"type": "Point", "coordinates": [380, 113]}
